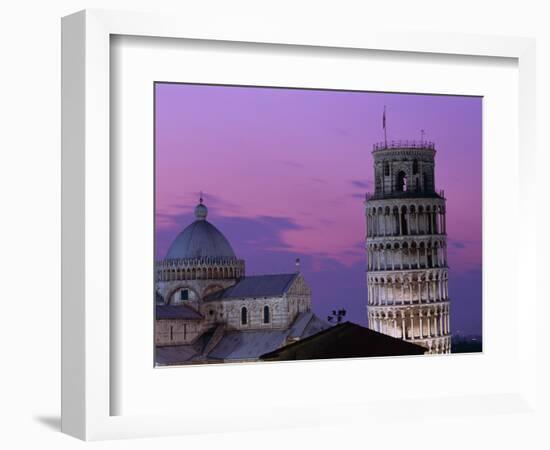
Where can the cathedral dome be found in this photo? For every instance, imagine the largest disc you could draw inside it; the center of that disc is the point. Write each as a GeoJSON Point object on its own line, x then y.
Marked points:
{"type": "Point", "coordinates": [201, 239]}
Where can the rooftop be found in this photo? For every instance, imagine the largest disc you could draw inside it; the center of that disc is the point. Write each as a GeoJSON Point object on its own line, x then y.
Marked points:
{"type": "Point", "coordinates": [257, 286]}
{"type": "Point", "coordinates": [346, 340]}
{"type": "Point", "coordinates": [165, 312]}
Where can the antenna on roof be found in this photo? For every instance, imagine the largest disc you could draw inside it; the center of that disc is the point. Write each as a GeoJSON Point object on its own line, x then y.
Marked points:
{"type": "Point", "coordinates": [384, 127]}
{"type": "Point", "coordinates": [298, 265]}
{"type": "Point", "coordinates": [200, 198]}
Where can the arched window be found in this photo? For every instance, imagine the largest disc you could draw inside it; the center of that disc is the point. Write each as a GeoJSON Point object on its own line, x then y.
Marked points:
{"type": "Point", "coordinates": [415, 167]}
{"type": "Point", "coordinates": [401, 185]}
{"type": "Point", "coordinates": [404, 221]}
{"type": "Point", "coordinates": [430, 259]}
{"type": "Point", "coordinates": [266, 314]}
{"type": "Point", "coordinates": [244, 316]}
{"type": "Point", "coordinates": [386, 169]}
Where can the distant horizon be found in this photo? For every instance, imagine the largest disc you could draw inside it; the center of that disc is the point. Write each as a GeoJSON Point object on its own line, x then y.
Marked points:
{"type": "Point", "coordinates": [284, 173]}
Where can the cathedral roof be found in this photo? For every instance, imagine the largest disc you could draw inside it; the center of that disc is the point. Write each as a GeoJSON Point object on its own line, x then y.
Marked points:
{"type": "Point", "coordinates": [257, 286]}
{"type": "Point", "coordinates": [176, 312]}
{"type": "Point", "coordinates": [201, 239]}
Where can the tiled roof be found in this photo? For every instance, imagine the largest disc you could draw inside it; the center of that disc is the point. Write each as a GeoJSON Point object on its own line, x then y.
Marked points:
{"type": "Point", "coordinates": [176, 312]}
{"type": "Point", "coordinates": [305, 325]}
{"type": "Point", "coordinates": [239, 345]}
{"type": "Point", "coordinates": [257, 286]}
{"type": "Point", "coordinates": [176, 354]}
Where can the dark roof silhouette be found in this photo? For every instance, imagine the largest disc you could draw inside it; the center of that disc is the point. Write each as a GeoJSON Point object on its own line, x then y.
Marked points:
{"type": "Point", "coordinates": [257, 286]}
{"type": "Point", "coordinates": [346, 340]}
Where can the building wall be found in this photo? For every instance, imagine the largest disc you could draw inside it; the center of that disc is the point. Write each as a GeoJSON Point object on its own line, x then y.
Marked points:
{"type": "Point", "coordinates": [299, 296]}
{"type": "Point", "coordinates": [278, 313]}
{"type": "Point", "coordinates": [178, 331]}
{"type": "Point", "coordinates": [416, 165]}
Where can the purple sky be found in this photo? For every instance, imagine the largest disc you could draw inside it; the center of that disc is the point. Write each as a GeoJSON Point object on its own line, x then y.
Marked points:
{"type": "Point", "coordinates": [284, 173]}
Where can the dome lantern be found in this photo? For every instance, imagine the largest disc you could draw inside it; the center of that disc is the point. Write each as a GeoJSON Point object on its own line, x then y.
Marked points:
{"type": "Point", "coordinates": [201, 211]}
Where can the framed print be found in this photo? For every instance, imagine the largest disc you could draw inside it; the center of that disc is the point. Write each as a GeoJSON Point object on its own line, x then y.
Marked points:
{"type": "Point", "coordinates": [251, 217]}
{"type": "Point", "coordinates": [297, 159]}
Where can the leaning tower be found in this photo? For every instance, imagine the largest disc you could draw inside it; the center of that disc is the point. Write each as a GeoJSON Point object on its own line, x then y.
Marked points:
{"type": "Point", "coordinates": [406, 245]}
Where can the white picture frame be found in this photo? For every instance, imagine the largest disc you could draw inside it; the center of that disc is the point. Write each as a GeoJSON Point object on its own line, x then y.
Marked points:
{"type": "Point", "coordinates": [87, 354]}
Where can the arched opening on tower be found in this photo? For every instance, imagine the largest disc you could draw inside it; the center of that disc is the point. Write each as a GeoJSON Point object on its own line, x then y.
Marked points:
{"type": "Point", "coordinates": [404, 228]}
{"type": "Point", "coordinates": [401, 185]}
{"type": "Point", "coordinates": [395, 221]}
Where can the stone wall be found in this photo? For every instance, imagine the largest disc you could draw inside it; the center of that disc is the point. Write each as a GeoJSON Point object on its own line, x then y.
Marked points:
{"type": "Point", "coordinates": [177, 331]}
{"type": "Point", "coordinates": [232, 310]}
{"type": "Point", "coordinates": [393, 167]}
{"type": "Point", "coordinates": [198, 289]}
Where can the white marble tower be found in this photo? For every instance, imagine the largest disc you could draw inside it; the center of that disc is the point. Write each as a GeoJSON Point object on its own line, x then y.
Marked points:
{"type": "Point", "coordinates": [406, 245]}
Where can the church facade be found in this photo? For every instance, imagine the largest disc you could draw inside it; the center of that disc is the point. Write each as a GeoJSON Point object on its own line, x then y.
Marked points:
{"type": "Point", "coordinates": [208, 310]}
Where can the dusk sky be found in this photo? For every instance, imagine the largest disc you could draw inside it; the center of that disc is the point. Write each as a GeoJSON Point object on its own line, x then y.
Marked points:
{"type": "Point", "coordinates": [284, 174]}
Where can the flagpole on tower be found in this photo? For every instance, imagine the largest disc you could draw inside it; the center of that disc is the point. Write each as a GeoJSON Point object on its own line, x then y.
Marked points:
{"type": "Point", "coordinates": [384, 126]}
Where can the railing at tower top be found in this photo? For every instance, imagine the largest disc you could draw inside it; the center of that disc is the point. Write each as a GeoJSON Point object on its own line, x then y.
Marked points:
{"type": "Point", "coordinates": [389, 145]}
